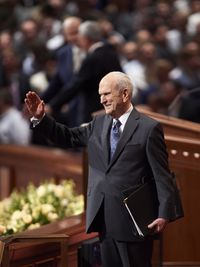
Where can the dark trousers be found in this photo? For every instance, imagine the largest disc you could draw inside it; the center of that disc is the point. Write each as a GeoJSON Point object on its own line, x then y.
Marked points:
{"type": "Point", "coordinates": [116, 253]}
{"type": "Point", "coordinates": [125, 254]}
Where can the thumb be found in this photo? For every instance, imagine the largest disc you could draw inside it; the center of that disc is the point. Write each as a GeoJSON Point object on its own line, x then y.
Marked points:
{"type": "Point", "coordinates": [42, 105]}
{"type": "Point", "coordinates": [41, 109]}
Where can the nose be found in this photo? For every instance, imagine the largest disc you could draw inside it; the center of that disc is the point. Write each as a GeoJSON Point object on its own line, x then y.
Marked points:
{"type": "Point", "coordinates": [102, 99]}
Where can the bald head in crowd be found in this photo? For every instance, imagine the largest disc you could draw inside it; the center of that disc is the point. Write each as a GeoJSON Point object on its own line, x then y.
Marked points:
{"type": "Point", "coordinates": [70, 29]}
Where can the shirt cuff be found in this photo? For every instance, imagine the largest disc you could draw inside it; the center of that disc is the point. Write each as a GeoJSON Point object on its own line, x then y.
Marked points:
{"type": "Point", "coordinates": [35, 121]}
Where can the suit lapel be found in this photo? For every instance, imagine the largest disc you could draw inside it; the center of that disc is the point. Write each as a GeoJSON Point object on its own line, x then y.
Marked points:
{"type": "Point", "coordinates": [128, 131]}
{"type": "Point", "coordinates": [106, 137]}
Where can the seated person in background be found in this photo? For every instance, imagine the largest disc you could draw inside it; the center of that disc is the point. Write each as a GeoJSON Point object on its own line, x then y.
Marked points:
{"type": "Point", "coordinates": [14, 129]}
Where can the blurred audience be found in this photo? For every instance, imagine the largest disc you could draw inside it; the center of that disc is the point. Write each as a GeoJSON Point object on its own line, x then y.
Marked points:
{"type": "Point", "coordinates": [13, 76]}
{"type": "Point", "coordinates": [157, 43]}
{"type": "Point", "coordinates": [25, 40]}
{"type": "Point", "coordinates": [14, 129]}
{"type": "Point", "coordinates": [141, 70]}
{"type": "Point", "coordinates": [187, 72]}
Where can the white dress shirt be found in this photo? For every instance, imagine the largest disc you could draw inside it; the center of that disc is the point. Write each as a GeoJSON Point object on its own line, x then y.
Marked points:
{"type": "Point", "coordinates": [123, 119]}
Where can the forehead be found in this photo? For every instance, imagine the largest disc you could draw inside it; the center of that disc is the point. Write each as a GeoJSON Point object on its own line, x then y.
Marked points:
{"type": "Point", "coordinates": [71, 30]}
{"type": "Point", "coordinates": [107, 85]}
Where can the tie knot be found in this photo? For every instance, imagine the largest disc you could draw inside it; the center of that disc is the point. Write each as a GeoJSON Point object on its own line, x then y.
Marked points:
{"type": "Point", "coordinates": [117, 124]}
{"type": "Point", "coordinates": [116, 128]}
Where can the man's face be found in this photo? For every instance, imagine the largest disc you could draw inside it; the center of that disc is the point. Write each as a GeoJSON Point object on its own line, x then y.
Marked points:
{"type": "Point", "coordinates": [113, 100]}
{"type": "Point", "coordinates": [84, 42]}
{"type": "Point", "coordinates": [71, 33]}
{"type": "Point", "coordinates": [29, 30]}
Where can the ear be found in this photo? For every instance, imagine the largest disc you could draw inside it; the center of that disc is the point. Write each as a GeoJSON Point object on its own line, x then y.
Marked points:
{"type": "Point", "coordinates": [125, 95]}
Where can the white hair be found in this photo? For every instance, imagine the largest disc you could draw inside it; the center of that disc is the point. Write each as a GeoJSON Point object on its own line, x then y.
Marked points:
{"type": "Point", "coordinates": [122, 81]}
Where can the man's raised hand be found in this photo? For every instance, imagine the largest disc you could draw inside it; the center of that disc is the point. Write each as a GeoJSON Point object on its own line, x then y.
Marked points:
{"type": "Point", "coordinates": [35, 105]}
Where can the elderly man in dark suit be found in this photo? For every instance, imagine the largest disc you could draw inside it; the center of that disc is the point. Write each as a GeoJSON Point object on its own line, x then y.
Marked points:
{"type": "Point", "coordinates": [116, 167]}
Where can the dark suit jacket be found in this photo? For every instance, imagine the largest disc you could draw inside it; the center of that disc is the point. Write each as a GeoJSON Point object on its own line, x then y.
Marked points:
{"type": "Point", "coordinates": [61, 81]}
{"type": "Point", "coordinates": [95, 66]}
{"type": "Point", "coordinates": [140, 155]}
{"type": "Point", "coordinates": [64, 73]}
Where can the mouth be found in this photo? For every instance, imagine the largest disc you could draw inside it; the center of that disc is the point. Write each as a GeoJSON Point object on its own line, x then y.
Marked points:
{"type": "Point", "coordinates": [107, 105]}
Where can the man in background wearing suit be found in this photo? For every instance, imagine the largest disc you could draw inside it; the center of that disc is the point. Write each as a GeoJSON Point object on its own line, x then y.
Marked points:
{"type": "Point", "coordinates": [101, 59]}
{"type": "Point", "coordinates": [115, 168]}
{"type": "Point", "coordinates": [69, 60]}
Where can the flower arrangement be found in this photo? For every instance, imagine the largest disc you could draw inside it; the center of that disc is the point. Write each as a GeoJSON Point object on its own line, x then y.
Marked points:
{"type": "Point", "coordinates": [37, 206]}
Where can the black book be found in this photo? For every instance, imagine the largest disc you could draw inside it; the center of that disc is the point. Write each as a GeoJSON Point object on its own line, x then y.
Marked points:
{"type": "Point", "coordinates": [142, 205]}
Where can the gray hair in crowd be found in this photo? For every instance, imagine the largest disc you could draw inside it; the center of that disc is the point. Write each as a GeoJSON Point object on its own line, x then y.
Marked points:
{"type": "Point", "coordinates": [91, 30]}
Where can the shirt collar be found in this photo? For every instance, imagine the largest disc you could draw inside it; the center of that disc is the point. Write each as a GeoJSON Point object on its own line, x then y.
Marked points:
{"type": "Point", "coordinates": [123, 118]}
{"type": "Point", "coordinates": [95, 46]}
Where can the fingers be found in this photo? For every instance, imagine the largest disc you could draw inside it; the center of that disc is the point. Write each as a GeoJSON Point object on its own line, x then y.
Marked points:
{"type": "Point", "coordinates": [34, 104]}
{"type": "Point", "coordinates": [32, 98]}
{"type": "Point", "coordinates": [159, 225]}
{"type": "Point", "coordinates": [152, 225]}
{"type": "Point", "coordinates": [28, 104]}
{"type": "Point", "coordinates": [41, 108]}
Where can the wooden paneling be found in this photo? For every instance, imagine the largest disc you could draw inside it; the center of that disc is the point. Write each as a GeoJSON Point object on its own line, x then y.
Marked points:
{"type": "Point", "coordinates": [20, 165]}
{"type": "Point", "coordinates": [49, 255]}
{"type": "Point", "coordinates": [181, 238]}
{"type": "Point", "coordinates": [181, 264]}
{"type": "Point", "coordinates": [12, 243]}
{"type": "Point", "coordinates": [174, 126]}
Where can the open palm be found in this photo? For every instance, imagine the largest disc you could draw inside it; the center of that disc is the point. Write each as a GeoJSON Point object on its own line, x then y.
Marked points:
{"type": "Point", "coordinates": [35, 105]}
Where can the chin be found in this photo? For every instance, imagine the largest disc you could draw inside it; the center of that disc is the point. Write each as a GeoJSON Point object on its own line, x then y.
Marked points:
{"type": "Point", "coordinates": [108, 111]}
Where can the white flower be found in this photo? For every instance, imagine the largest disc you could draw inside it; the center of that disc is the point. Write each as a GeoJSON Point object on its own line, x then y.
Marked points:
{"type": "Point", "coordinates": [17, 215]}
{"type": "Point", "coordinates": [41, 190]}
{"type": "Point", "coordinates": [52, 216]}
{"type": "Point", "coordinates": [50, 187]}
{"type": "Point", "coordinates": [34, 226]}
{"type": "Point", "coordinates": [64, 202]}
{"type": "Point", "coordinates": [46, 208]}
{"type": "Point", "coordinates": [59, 191]}
{"type": "Point", "coordinates": [36, 212]}
{"type": "Point", "coordinates": [27, 218]}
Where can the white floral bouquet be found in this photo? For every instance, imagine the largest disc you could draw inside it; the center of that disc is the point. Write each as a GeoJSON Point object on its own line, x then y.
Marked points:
{"type": "Point", "coordinates": [37, 206]}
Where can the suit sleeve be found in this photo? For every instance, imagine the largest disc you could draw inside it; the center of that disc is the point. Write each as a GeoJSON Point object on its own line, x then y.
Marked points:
{"type": "Point", "coordinates": [62, 136]}
{"type": "Point", "coordinates": [158, 159]}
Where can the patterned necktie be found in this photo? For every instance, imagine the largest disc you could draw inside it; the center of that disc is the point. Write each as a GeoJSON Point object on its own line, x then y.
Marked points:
{"type": "Point", "coordinates": [114, 137]}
